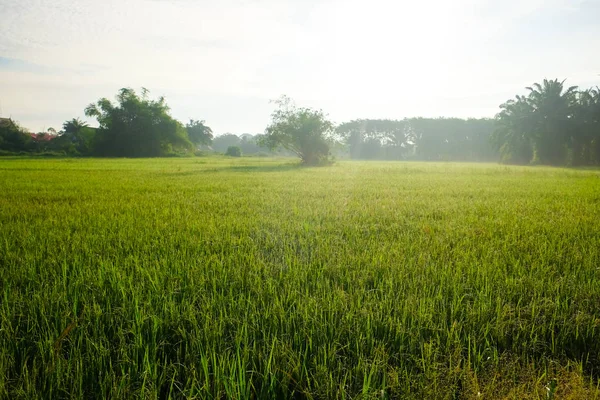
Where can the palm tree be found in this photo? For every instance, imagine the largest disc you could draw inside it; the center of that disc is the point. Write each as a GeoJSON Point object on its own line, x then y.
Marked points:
{"type": "Point", "coordinates": [586, 118]}
{"type": "Point", "coordinates": [73, 126]}
{"type": "Point", "coordinates": [552, 108]}
{"type": "Point", "coordinates": [595, 126]}
{"type": "Point", "coordinates": [513, 134]}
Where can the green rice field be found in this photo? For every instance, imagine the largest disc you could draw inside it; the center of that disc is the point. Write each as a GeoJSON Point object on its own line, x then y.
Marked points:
{"type": "Point", "coordinates": [253, 278]}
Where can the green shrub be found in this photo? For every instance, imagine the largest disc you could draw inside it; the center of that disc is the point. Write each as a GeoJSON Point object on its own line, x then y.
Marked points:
{"type": "Point", "coordinates": [233, 151]}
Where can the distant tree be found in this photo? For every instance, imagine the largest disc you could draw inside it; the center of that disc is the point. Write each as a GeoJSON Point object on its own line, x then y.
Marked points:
{"type": "Point", "coordinates": [552, 109]}
{"type": "Point", "coordinates": [431, 139]}
{"type": "Point", "coordinates": [249, 144]}
{"type": "Point", "coordinates": [199, 133]}
{"type": "Point", "coordinates": [585, 136]}
{"type": "Point", "coordinates": [76, 138]}
{"type": "Point", "coordinates": [222, 142]}
{"type": "Point", "coordinates": [375, 138]}
{"type": "Point", "coordinates": [303, 131]}
{"type": "Point", "coordinates": [14, 138]}
{"type": "Point", "coordinates": [233, 151]}
{"type": "Point", "coordinates": [552, 125]}
{"type": "Point", "coordinates": [137, 127]}
{"type": "Point", "coordinates": [451, 139]}
{"type": "Point", "coordinates": [513, 136]}
{"type": "Point", "coordinates": [73, 126]}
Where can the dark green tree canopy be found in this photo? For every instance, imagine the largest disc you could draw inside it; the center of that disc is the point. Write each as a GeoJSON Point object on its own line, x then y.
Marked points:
{"type": "Point", "coordinates": [137, 126]}
{"type": "Point", "coordinates": [73, 126]}
{"type": "Point", "coordinates": [303, 131]}
{"type": "Point", "coordinates": [198, 133]}
{"type": "Point", "coordinates": [13, 137]}
{"type": "Point", "coordinates": [552, 125]}
{"type": "Point", "coordinates": [76, 138]}
{"type": "Point", "coordinates": [233, 151]}
{"type": "Point", "coordinates": [514, 129]}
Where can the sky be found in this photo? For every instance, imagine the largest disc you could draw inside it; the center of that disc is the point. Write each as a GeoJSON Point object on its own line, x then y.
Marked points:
{"type": "Point", "coordinates": [222, 61]}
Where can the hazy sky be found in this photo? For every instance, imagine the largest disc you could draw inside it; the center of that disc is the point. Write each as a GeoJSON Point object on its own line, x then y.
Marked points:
{"type": "Point", "coordinates": [223, 60]}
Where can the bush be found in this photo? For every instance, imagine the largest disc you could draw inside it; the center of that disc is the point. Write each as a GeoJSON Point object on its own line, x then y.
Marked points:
{"type": "Point", "coordinates": [302, 131]}
{"type": "Point", "coordinates": [14, 138]}
{"type": "Point", "coordinates": [233, 151]}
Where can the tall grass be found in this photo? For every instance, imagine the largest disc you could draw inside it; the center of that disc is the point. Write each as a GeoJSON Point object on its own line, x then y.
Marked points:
{"type": "Point", "coordinates": [220, 278]}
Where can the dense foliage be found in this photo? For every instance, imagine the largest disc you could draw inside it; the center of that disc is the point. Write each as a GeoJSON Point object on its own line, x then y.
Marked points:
{"type": "Point", "coordinates": [233, 151]}
{"type": "Point", "coordinates": [76, 138]}
{"type": "Point", "coordinates": [552, 125]}
{"type": "Point", "coordinates": [199, 133]}
{"type": "Point", "coordinates": [13, 138]}
{"type": "Point", "coordinates": [247, 278]}
{"type": "Point", "coordinates": [136, 127]}
{"type": "Point", "coordinates": [303, 131]}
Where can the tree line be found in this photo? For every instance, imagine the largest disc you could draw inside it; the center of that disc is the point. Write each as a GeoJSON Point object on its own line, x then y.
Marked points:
{"type": "Point", "coordinates": [551, 125]}
{"type": "Point", "coordinates": [427, 139]}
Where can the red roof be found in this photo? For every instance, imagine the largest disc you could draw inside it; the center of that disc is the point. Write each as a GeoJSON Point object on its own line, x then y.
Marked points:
{"type": "Point", "coordinates": [42, 137]}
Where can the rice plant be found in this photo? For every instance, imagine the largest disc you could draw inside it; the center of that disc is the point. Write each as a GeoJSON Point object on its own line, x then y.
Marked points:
{"type": "Point", "coordinates": [255, 278]}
